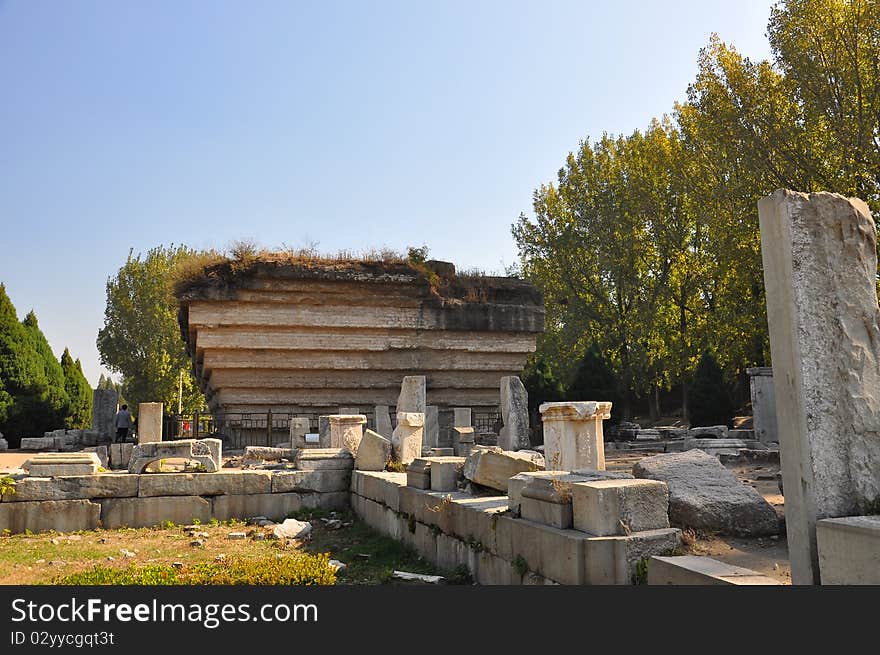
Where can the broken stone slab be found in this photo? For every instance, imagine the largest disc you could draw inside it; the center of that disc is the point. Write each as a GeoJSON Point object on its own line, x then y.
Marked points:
{"type": "Point", "coordinates": [492, 467]}
{"type": "Point", "coordinates": [714, 444]}
{"type": "Point", "coordinates": [514, 434]}
{"type": "Point", "coordinates": [105, 404]}
{"type": "Point", "coordinates": [253, 454]}
{"type": "Point", "coordinates": [518, 482]}
{"type": "Point", "coordinates": [317, 459]}
{"type": "Point", "coordinates": [52, 464]}
{"type": "Point", "coordinates": [648, 435]}
{"type": "Point", "coordinates": [446, 472]}
{"type": "Point", "coordinates": [705, 495]}
{"type": "Point", "coordinates": [406, 441]}
{"type": "Point", "coordinates": [442, 452]}
{"type": "Point", "coordinates": [93, 438]}
{"type": "Point", "coordinates": [346, 431]}
{"type": "Point", "coordinates": [573, 437]}
{"type": "Point", "coordinates": [693, 570]}
{"type": "Point", "coordinates": [373, 453]}
{"type": "Point", "coordinates": [620, 507]}
{"type": "Point", "coordinates": [120, 455]}
{"type": "Point", "coordinates": [38, 443]}
{"type": "Point", "coordinates": [412, 395]}
{"type": "Point", "coordinates": [710, 432]}
{"type": "Point", "coordinates": [292, 529]}
{"type": "Point", "coordinates": [744, 435]}
{"type": "Point", "coordinates": [299, 428]}
{"type": "Point", "coordinates": [417, 577]}
{"type": "Point", "coordinates": [382, 418]}
{"type": "Point", "coordinates": [418, 473]}
{"type": "Point", "coordinates": [207, 452]}
{"type": "Point", "coordinates": [74, 487]}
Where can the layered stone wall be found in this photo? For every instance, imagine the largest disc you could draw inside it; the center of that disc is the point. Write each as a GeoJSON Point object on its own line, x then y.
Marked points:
{"type": "Point", "coordinates": [293, 338]}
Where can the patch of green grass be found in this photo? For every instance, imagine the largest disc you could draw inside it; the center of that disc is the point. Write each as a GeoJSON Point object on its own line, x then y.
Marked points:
{"type": "Point", "coordinates": [296, 568]}
{"type": "Point", "coordinates": [640, 576]}
{"type": "Point", "coordinates": [370, 556]}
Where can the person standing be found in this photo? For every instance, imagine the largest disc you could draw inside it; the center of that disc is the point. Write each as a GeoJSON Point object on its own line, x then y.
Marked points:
{"type": "Point", "coordinates": [123, 424]}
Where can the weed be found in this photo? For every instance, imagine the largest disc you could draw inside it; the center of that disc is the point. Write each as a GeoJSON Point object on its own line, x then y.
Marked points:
{"type": "Point", "coordinates": [520, 565]}
{"type": "Point", "coordinates": [411, 524]}
{"type": "Point", "coordinates": [640, 576]}
{"type": "Point", "coordinates": [395, 467]}
{"type": "Point", "coordinates": [7, 485]}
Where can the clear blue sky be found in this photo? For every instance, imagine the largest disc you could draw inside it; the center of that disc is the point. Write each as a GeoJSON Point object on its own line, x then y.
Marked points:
{"type": "Point", "coordinates": [351, 124]}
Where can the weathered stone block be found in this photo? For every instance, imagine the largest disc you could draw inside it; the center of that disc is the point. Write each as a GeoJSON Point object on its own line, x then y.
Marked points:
{"type": "Point", "coordinates": [52, 464]}
{"type": "Point", "coordinates": [206, 484]}
{"type": "Point", "coordinates": [74, 487]}
{"type": "Point", "coordinates": [103, 454]}
{"type": "Point", "coordinates": [418, 474]}
{"type": "Point", "coordinates": [38, 443]}
{"type": "Point", "coordinates": [462, 417]}
{"type": "Point", "coordinates": [431, 434]}
{"type": "Point", "coordinates": [145, 512]}
{"type": "Point", "coordinates": [820, 260]}
{"type": "Point", "coordinates": [704, 494]}
{"type": "Point", "coordinates": [620, 507]}
{"type": "Point", "coordinates": [382, 419]}
{"type": "Point", "coordinates": [557, 515]}
{"type": "Point", "coordinates": [105, 404]}
{"type": "Point", "coordinates": [550, 552]}
{"type": "Point", "coordinates": [373, 453]}
{"type": "Point", "coordinates": [849, 550]}
{"type": "Point", "coordinates": [273, 506]}
{"type": "Point", "coordinates": [299, 428]}
{"type": "Point", "coordinates": [446, 472]}
{"type": "Point", "coordinates": [346, 431]}
{"type": "Point", "coordinates": [691, 570]}
{"type": "Point", "coordinates": [406, 441]}
{"type": "Point", "coordinates": [319, 481]}
{"type": "Point", "coordinates": [573, 437]}
{"type": "Point", "coordinates": [42, 516]}
{"type": "Point", "coordinates": [149, 422]}
{"type": "Point", "coordinates": [614, 560]}
{"type": "Point", "coordinates": [493, 467]}
{"type": "Point", "coordinates": [120, 455]}
{"type": "Point", "coordinates": [709, 432]}
{"type": "Point", "coordinates": [318, 459]}
{"type": "Point", "coordinates": [515, 414]}
{"type": "Point", "coordinates": [412, 395]}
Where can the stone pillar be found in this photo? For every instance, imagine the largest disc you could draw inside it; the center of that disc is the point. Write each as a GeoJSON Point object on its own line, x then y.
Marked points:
{"type": "Point", "coordinates": [299, 428]}
{"type": "Point", "coordinates": [346, 431]}
{"type": "Point", "coordinates": [820, 267]}
{"type": "Point", "coordinates": [383, 421]}
{"type": "Point", "coordinates": [515, 415]}
{"type": "Point", "coordinates": [412, 395]}
{"type": "Point", "coordinates": [573, 437]}
{"type": "Point", "coordinates": [462, 417]}
{"type": "Point", "coordinates": [431, 438]}
{"type": "Point", "coordinates": [105, 404]}
{"type": "Point", "coordinates": [149, 422]}
{"type": "Point", "coordinates": [763, 403]}
{"type": "Point", "coordinates": [324, 431]}
{"type": "Point", "coordinates": [406, 441]}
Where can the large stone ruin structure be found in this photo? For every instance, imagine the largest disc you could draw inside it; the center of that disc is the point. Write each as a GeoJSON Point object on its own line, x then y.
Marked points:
{"type": "Point", "coordinates": [311, 339]}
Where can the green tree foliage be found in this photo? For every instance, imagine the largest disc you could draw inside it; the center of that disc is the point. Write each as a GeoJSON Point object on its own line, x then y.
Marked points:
{"type": "Point", "coordinates": [79, 393]}
{"type": "Point", "coordinates": [648, 244]}
{"type": "Point", "coordinates": [33, 396]}
{"type": "Point", "coordinates": [593, 379]}
{"type": "Point", "coordinates": [50, 410]}
{"type": "Point", "coordinates": [541, 385]}
{"type": "Point", "coordinates": [141, 338]}
{"type": "Point", "coordinates": [710, 402]}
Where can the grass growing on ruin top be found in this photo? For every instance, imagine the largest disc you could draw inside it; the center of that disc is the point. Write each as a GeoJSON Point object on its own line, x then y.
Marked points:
{"type": "Point", "coordinates": [213, 268]}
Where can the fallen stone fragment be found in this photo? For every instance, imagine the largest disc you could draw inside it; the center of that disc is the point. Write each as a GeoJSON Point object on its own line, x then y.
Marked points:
{"type": "Point", "coordinates": [493, 467]}
{"type": "Point", "coordinates": [237, 535]}
{"type": "Point", "coordinates": [430, 579]}
{"type": "Point", "coordinates": [292, 529]}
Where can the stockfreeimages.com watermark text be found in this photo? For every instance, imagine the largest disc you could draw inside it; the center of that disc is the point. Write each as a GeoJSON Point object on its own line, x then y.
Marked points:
{"type": "Point", "coordinates": [208, 615]}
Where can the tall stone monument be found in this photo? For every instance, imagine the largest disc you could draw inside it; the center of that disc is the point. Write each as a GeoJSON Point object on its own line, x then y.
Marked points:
{"type": "Point", "coordinates": [105, 404]}
{"type": "Point", "coordinates": [820, 273]}
{"type": "Point", "coordinates": [149, 422]}
{"type": "Point", "coordinates": [515, 414]}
